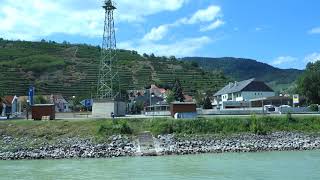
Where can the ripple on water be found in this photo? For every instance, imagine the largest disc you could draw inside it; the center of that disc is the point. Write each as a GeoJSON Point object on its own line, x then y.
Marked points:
{"type": "Point", "coordinates": [229, 166]}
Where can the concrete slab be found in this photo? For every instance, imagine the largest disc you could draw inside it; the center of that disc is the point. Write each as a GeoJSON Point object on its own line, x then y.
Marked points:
{"type": "Point", "coordinates": [104, 108]}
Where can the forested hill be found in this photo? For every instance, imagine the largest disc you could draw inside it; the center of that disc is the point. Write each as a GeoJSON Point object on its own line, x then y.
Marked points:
{"type": "Point", "coordinates": [241, 69]}
{"type": "Point", "coordinates": [72, 69]}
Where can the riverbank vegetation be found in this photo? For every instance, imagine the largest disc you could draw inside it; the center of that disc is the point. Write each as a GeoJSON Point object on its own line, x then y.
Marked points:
{"type": "Point", "coordinates": [105, 128]}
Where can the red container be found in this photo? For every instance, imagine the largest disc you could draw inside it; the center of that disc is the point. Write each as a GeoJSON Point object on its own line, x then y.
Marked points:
{"type": "Point", "coordinates": [182, 107]}
{"type": "Point", "coordinates": [41, 110]}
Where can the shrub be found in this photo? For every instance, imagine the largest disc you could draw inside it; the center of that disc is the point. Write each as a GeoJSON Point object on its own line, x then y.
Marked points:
{"type": "Point", "coordinates": [207, 103]}
{"type": "Point", "coordinates": [314, 107]}
{"type": "Point", "coordinates": [125, 128]}
{"type": "Point", "coordinates": [257, 126]}
{"type": "Point", "coordinates": [102, 129]}
{"type": "Point", "coordinates": [290, 118]}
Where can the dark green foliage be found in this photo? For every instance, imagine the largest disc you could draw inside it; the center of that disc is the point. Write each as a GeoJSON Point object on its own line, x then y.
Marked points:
{"type": "Point", "coordinates": [199, 97]}
{"type": "Point", "coordinates": [290, 119]}
{"type": "Point", "coordinates": [178, 92]}
{"type": "Point", "coordinates": [242, 69]}
{"type": "Point", "coordinates": [125, 128]}
{"type": "Point", "coordinates": [121, 127]}
{"type": "Point", "coordinates": [36, 63]}
{"type": "Point", "coordinates": [314, 107]}
{"type": "Point", "coordinates": [207, 103]}
{"type": "Point", "coordinates": [40, 100]}
{"type": "Point", "coordinates": [72, 69]}
{"type": "Point", "coordinates": [169, 97]}
{"type": "Point", "coordinates": [256, 126]}
{"type": "Point", "coordinates": [309, 83]}
{"type": "Point", "coordinates": [137, 107]}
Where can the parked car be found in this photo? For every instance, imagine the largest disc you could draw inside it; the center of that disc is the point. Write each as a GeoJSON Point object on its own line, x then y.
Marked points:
{"type": "Point", "coordinates": [284, 106]}
{"type": "Point", "coordinates": [270, 108]}
{"type": "Point", "coordinates": [3, 118]}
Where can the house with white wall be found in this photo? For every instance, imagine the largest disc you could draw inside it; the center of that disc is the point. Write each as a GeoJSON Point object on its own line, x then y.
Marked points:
{"type": "Point", "coordinates": [239, 94]}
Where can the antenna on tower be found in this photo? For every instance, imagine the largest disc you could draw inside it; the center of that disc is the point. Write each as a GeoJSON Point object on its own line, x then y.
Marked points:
{"type": "Point", "coordinates": [108, 74]}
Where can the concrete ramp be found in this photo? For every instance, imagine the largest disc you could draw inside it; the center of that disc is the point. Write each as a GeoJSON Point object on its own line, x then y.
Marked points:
{"type": "Point", "coordinates": [146, 144]}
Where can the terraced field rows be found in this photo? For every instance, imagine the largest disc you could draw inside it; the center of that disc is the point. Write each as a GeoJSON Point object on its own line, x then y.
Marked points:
{"type": "Point", "coordinates": [78, 73]}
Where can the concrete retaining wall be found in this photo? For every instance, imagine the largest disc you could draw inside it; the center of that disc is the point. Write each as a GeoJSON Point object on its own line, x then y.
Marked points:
{"type": "Point", "coordinates": [103, 109]}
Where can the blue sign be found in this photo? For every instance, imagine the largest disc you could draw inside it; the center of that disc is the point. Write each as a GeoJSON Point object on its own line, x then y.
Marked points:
{"type": "Point", "coordinates": [87, 103]}
{"type": "Point", "coordinates": [31, 95]}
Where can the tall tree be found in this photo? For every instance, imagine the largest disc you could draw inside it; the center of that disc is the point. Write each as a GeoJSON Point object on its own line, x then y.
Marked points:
{"type": "Point", "coordinates": [309, 83]}
{"type": "Point", "coordinates": [169, 97]}
{"type": "Point", "coordinates": [178, 92]}
{"type": "Point", "coordinates": [199, 97]}
{"type": "Point", "coordinates": [207, 103]}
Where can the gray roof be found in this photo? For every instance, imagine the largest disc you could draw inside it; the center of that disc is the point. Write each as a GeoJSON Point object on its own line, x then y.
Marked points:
{"type": "Point", "coordinates": [244, 86]}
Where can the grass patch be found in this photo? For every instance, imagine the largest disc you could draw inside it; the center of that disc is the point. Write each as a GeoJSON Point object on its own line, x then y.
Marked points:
{"type": "Point", "coordinates": [202, 126]}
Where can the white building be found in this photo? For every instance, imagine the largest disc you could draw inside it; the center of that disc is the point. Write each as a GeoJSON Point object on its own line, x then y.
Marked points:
{"type": "Point", "coordinates": [239, 94]}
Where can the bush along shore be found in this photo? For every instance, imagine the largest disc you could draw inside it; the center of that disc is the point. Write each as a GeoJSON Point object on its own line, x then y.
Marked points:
{"type": "Point", "coordinates": [95, 139]}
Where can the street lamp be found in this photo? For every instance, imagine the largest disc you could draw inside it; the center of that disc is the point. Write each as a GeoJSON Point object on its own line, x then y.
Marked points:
{"type": "Point", "coordinates": [73, 104]}
{"type": "Point", "coordinates": [27, 109]}
{"type": "Point", "coordinates": [153, 107]}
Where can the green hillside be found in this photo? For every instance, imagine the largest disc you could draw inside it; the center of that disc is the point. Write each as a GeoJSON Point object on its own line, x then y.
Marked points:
{"type": "Point", "coordinates": [240, 69]}
{"type": "Point", "coordinates": [73, 69]}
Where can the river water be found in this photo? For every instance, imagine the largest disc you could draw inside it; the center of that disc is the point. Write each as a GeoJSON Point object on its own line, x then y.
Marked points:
{"type": "Point", "coordinates": [231, 166]}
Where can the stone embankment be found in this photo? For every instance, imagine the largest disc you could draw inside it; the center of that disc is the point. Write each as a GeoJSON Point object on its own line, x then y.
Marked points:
{"type": "Point", "coordinates": [15, 149]}
{"type": "Point", "coordinates": [280, 141]}
{"type": "Point", "coordinates": [118, 146]}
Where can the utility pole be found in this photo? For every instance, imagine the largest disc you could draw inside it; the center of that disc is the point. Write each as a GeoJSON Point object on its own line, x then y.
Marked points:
{"type": "Point", "coordinates": [108, 75]}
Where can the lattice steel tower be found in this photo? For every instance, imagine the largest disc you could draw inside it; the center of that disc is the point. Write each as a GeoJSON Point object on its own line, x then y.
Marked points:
{"type": "Point", "coordinates": [108, 75]}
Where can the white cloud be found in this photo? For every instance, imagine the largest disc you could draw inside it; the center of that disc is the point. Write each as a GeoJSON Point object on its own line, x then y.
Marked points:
{"type": "Point", "coordinates": [34, 19]}
{"type": "Point", "coordinates": [312, 57]}
{"type": "Point", "coordinates": [135, 11]}
{"type": "Point", "coordinates": [283, 60]}
{"type": "Point", "coordinates": [184, 47]}
{"type": "Point", "coordinates": [315, 30]}
{"type": "Point", "coordinates": [258, 29]}
{"type": "Point", "coordinates": [157, 33]}
{"type": "Point", "coordinates": [204, 15]}
{"type": "Point", "coordinates": [216, 24]}
{"type": "Point", "coordinates": [294, 62]}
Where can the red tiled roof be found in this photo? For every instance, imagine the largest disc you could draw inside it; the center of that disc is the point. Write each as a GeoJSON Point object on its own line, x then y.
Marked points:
{"type": "Point", "coordinates": [188, 98]}
{"type": "Point", "coordinates": [9, 99]}
{"type": "Point", "coordinates": [156, 89]}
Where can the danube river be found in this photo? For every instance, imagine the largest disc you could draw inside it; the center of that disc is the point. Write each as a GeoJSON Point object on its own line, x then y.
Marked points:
{"type": "Point", "coordinates": [231, 166]}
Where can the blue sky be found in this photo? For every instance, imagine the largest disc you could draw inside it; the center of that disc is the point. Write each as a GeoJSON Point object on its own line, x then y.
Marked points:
{"type": "Point", "coordinates": [282, 33]}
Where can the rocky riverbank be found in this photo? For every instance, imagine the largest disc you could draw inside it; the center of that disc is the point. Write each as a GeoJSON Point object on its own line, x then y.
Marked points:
{"type": "Point", "coordinates": [118, 146]}
{"type": "Point", "coordinates": [280, 141]}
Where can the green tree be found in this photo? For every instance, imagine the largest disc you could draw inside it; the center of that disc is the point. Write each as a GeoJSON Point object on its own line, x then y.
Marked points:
{"type": "Point", "coordinates": [178, 92]}
{"type": "Point", "coordinates": [207, 103]}
{"type": "Point", "coordinates": [1, 108]}
{"type": "Point", "coordinates": [169, 97]}
{"type": "Point", "coordinates": [40, 100]}
{"type": "Point", "coordinates": [309, 83]}
{"type": "Point", "coordinates": [199, 97]}
{"type": "Point", "coordinates": [172, 58]}
{"type": "Point", "coordinates": [194, 64]}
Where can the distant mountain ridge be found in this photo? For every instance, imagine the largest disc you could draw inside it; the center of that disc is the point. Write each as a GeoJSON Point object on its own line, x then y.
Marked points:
{"type": "Point", "coordinates": [241, 69]}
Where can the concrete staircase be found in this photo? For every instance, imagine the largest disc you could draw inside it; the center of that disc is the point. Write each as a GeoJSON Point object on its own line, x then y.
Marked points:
{"type": "Point", "coordinates": [147, 144]}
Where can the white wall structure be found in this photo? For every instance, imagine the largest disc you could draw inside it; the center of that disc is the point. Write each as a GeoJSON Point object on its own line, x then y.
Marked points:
{"type": "Point", "coordinates": [103, 109]}
{"type": "Point", "coordinates": [247, 96]}
{"type": "Point", "coordinates": [240, 93]}
{"type": "Point", "coordinates": [3, 113]}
